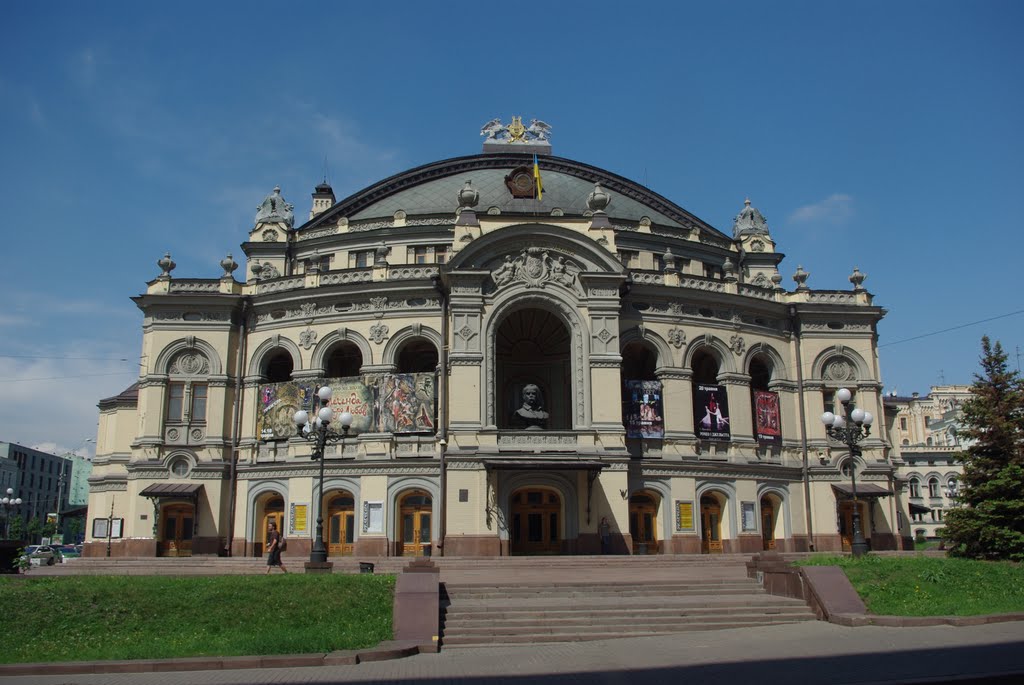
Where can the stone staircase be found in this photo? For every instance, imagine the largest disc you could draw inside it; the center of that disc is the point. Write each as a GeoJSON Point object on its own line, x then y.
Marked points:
{"type": "Point", "coordinates": [599, 598]}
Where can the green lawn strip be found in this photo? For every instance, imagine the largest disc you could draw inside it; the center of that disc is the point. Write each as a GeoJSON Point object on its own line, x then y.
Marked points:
{"type": "Point", "coordinates": [84, 618]}
{"type": "Point", "coordinates": [931, 586]}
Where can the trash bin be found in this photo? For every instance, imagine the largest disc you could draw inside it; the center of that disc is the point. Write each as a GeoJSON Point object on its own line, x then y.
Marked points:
{"type": "Point", "coordinates": [365, 567]}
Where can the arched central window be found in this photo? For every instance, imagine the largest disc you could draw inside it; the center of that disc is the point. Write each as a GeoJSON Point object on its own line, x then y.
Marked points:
{"type": "Point", "coordinates": [345, 361]}
{"type": "Point", "coordinates": [534, 383]}
{"type": "Point", "coordinates": [279, 367]}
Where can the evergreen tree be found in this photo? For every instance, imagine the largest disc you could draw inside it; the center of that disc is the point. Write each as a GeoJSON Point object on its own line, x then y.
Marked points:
{"type": "Point", "coordinates": [988, 522]}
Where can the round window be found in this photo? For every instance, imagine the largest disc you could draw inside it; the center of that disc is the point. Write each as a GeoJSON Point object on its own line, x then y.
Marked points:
{"type": "Point", "coordinates": [180, 467]}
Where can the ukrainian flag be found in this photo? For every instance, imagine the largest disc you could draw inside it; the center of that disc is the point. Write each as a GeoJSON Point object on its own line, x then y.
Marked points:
{"type": "Point", "coordinates": [536, 179]}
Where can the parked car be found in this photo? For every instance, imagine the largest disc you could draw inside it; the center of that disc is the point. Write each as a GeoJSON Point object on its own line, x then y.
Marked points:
{"type": "Point", "coordinates": [44, 553]}
{"type": "Point", "coordinates": [70, 552]}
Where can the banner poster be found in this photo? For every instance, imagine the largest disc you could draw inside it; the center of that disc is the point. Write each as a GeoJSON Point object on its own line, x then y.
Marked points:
{"type": "Point", "coordinates": [406, 403]}
{"type": "Point", "coordinates": [767, 418]}
{"type": "Point", "coordinates": [354, 396]}
{"type": "Point", "coordinates": [711, 412]}
{"type": "Point", "coordinates": [277, 405]}
{"type": "Point", "coordinates": [644, 415]}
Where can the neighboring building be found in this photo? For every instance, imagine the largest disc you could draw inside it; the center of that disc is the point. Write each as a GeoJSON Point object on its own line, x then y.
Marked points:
{"type": "Point", "coordinates": [78, 482]}
{"type": "Point", "coordinates": [35, 477]}
{"type": "Point", "coordinates": [923, 431]}
{"type": "Point", "coordinates": [520, 365]}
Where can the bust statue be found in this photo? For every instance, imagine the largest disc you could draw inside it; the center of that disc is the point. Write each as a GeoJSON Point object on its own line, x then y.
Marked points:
{"type": "Point", "coordinates": [530, 416]}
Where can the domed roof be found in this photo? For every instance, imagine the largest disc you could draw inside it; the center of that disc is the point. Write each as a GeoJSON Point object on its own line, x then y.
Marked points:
{"type": "Point", "coordinates": [434, 189]}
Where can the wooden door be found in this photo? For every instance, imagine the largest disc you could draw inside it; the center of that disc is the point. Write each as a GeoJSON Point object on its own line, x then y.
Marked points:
{"type": "Point", "coordinates": [176, 526]}
{"type": "Point", "coordinates": [711, 525]}
{"type": "Point", "coordinates": [414, 520]}
{"type": "Point", "coordinates": [536, 523]}
{"type": "Point", "coordinates": [846, 523]}
{"type": "Point", "coordinates": [767, 523]}
{"type": "Point", "coordinates": [341, 525]}
{"type": "Point", "coordinates": [643, 515]}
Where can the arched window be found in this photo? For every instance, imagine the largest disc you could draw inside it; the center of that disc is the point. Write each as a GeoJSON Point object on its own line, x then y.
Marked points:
{"type": "Point", "coordinates": [933, 487]}
{"type": "Point", "coordinates": [279, 367]}
{"type": "Point", "coordinates": [905, 442]}
{"type": "Point", "coordinates": [345, 361]}
{"type": "Point", "coordinates": [187, 389]}
{"type": "Point", "coordinates": [639, 361]}
{"type": "Point", "coordinates": [915, 487]}
{"type": "Point", "coordinates": [417, 356]}
{"type": "Point", "coordinates": [705, 368]}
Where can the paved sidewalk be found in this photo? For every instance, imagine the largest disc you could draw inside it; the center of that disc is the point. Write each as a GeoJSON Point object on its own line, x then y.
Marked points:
{"type": "Point", "coordinates": [805, 653]}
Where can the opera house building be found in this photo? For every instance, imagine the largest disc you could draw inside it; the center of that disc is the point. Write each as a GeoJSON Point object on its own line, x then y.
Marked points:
{"type": "Point", "coordinates": [525, 355]}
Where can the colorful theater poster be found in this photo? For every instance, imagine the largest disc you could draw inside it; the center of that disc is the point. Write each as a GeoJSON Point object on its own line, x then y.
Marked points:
{"type": "Point", "coordinates": [767, 418]}
{"type": "Point", "coordinates": [278, 403]}
{"type": "Point", "coordinates": [711, 412]}
{"type": "Point", "coordinates": [644, 415]}
{"type": "Point", "coordinates": [352, 395]}
{"type": "Point", "coordinates": [406, 403]}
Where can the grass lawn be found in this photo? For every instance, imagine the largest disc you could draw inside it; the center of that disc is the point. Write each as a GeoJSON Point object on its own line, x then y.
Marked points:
{"type": "Point", "coordinates": [82, 618]}
{"type": "Point", "coordinates": [931, 586]}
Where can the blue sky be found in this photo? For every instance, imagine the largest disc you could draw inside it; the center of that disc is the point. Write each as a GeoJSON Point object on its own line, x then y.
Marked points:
{"type": "Point", "coordinates": [883, 135]}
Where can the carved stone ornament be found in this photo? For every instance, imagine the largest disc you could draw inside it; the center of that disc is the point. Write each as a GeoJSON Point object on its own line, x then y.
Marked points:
{"type": "Point", "coordinates": [378, 332]}
{"type": "Point", "coordinates": [801, 277]}
{"type": "Point", "coordinates": [166, 265]}
{"type": "Point", "coordinates": [264, 271]}
{"type": "Point", "coordinates": [857, 278]}
{"type": "Point", "coordinates": [465, 332]}
{"type": "Point", "coordinates": [605, 335]}
{"type": "Point", "coordinates": [737, 344]}
{"type": "Point", "coordinates": [307, 338]}
{"type": "Point", "coordinates": [677, 337]}
{"type": "Point", "coordinates": [190, 363]}
{"type": "Point", "coordinates": [839, 370]}
{"type": "Point", "coordinates": [229, 265]}
{"type": "Point", "coordinates": [535, 267]}
{"type": "Point", "coordinates": [379, 305]}
{"type": "Point", "coordinates": [468, 197]}
{"type": "Point", "coordinates": [270, 236]}
{"type": "Point", "coordinates": [515, 132]}
{"type": "Point", "coordinates": [757, 246]}
{"type": "Point", "coordinates": [274, 209]}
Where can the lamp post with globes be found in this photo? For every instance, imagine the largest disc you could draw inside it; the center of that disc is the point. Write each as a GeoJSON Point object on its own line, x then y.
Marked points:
{"type": "Point", "coordinates": [850, 428]}
{"type": "Point", "coordinates": [318, 432]}
{"type": "Point", "coordinates": [9, 503]}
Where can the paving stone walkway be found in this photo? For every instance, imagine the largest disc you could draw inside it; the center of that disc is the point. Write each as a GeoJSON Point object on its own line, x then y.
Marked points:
{"type": "Point", "coordinates": [805, 653]}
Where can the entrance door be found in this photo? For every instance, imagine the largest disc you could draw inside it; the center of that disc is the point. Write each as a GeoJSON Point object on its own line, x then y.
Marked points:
{"type": "Point", "coordinates": [273, 511]}
{"type": "Point", "coordinates": [710, 525]}
{"type": "Point", "coordinates": [846, 522]}
{"type": "Point", "coordinates": [767, 523]}
{"type": "Point", "coordinates": [643, 511]}
{"type": "Point", "coordinates": [535, 523]}
{"type": "Point", "coordinates": [341, 526]}
{"type": "Point", "coordinates": [414, 525]}
{"type": "Point", "coordinates": [176, 523]}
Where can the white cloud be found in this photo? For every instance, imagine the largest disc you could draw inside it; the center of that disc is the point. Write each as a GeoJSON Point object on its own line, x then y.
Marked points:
{"type": "Point", "coordinates": [834, 210]}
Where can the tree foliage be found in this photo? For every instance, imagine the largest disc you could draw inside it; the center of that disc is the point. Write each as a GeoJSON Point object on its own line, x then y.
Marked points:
{"type": "Point", "coordinates": [988, 522]}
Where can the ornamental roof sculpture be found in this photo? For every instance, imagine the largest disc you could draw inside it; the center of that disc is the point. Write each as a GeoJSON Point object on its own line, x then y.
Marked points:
{"type": "Point", "coordinates": [515, 132]}
{"type": "Point", "coordinates": [274, 210]}
{"type": "Point", "coordinates": [749, 222]}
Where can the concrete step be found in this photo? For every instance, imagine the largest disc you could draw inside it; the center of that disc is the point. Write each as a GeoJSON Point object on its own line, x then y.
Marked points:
{"type": "Point", "coordinates": [617, 612]}
{"type": "Point", "coordinates": [457, 641]}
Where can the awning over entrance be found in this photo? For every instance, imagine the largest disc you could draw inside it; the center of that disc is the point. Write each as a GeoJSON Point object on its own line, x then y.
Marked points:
{"type": "Point", "coordinates": [186, 490]}
{"type": "Point", "coordinates": [863, 490]}
{"type": "Point", "coordinates": [544, 465]}
{"type": "Point", "coordinates": [919, 509]}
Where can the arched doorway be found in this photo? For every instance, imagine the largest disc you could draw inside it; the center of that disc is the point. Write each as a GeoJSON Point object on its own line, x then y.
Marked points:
{"type": "Point", "coordinates": [846, 508]}
{"type": "Point", "coordinates": [176, 528]}
{"type": "Point", "coordinates": [536, 522]}
{"type": "Point", "coordinates": [273, 510]}
{"type": "Point", "coordinates": [414, 517]}
{"type": "Point", "coordinates": [710, 525]}
{"type": "Point", "coordinates": [341, 523]}
{"type": "Point", "coordinates": [768, 518]}
{"type": "Point", "coordinates": [532, 347]}
{"type": "Point", "coordinates": [643, 522]}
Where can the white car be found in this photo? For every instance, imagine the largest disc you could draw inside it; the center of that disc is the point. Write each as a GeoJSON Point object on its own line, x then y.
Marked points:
{"type": "Point", "coordinates": [42, 554]}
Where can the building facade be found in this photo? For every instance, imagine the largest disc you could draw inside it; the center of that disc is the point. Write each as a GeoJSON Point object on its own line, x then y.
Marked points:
{"type": "Point", "coordinates": [525, 359]}
{"type": "Point", "coordinates": [923, 432]}
{"type": "Point", "coordinates": [39, 478]}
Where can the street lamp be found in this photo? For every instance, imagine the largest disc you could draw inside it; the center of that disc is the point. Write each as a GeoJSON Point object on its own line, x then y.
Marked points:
{"type": "Point", "coordinates": [9, 503]}
{"type": "Point", "coordinates": [318, 433]}
{"type": "Point", "coordinates": [850, 428]}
